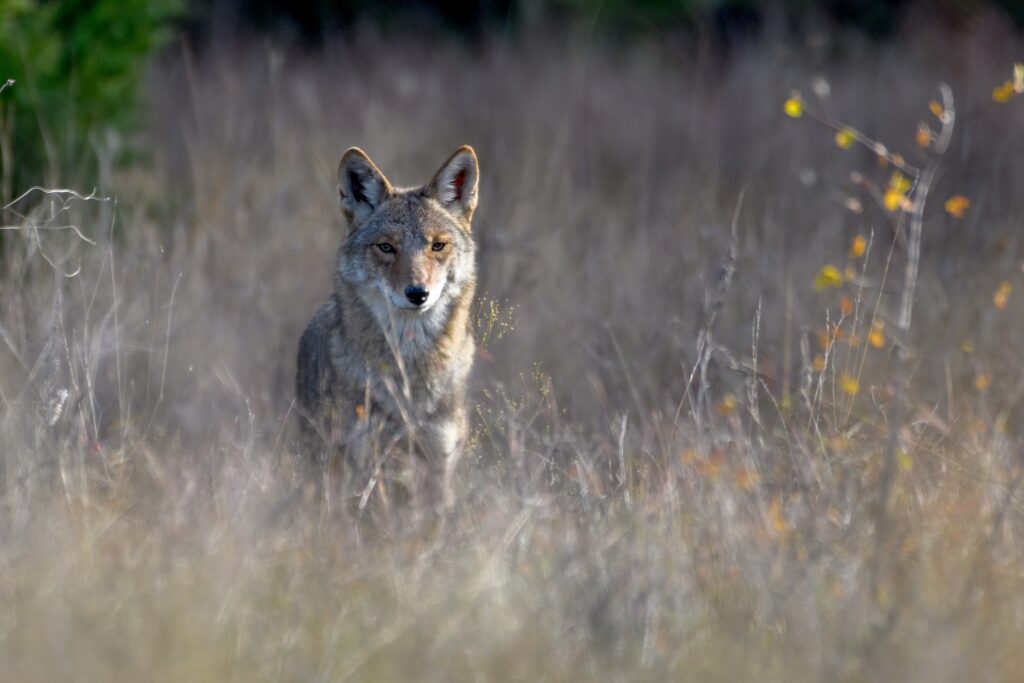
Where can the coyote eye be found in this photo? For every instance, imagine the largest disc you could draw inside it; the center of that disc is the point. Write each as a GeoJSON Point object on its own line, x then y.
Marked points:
{"type": "Point", "coordinates": [386, 248]}
{"type": "Point", "coordinates": [438, 246]}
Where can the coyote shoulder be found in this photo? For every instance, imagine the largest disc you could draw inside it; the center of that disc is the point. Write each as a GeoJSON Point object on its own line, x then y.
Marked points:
{"type": "Point", "coordinates": [382, 366]}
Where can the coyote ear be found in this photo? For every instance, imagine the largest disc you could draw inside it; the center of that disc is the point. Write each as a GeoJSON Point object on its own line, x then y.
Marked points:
{"type": "Point", "coordinates": [361, 185]}
{"type": "Point", "coordinates": [455, 185]}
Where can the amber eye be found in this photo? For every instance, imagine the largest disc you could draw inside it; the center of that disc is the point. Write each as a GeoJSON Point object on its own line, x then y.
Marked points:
{"type": "Point", "coordinates": [438, 246]}
{"type": "Point", "coordinates": [386, 248]}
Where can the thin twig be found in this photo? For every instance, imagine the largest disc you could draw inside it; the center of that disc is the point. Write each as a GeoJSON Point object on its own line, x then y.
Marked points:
{"type": "Point", "coordinates": [56, 191]}
{"type": "Point", "coordinates": [903, 360]}
{"type": "Point", "coordinates": [73, 228]}
{"type": "Point", "coordinates": [712, 304]}
{"type": "Point", "coordinates": [874, 145]}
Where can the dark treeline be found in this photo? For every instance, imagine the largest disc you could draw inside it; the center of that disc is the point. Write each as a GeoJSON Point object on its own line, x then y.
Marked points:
{"type": "Point", "coordinates": [312, 20]}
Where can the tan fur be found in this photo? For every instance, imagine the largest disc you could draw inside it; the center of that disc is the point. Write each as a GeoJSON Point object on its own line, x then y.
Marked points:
{"type": "Point", "coordinates": [379, 378]}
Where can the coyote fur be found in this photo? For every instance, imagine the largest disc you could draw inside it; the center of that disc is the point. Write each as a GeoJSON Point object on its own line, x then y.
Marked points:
{"type": "Point", "coordinates": [382, 367]}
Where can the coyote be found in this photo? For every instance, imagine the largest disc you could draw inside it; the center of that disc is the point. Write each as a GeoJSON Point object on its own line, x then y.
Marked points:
{"type": "Point", "coordinates": [382, 366]}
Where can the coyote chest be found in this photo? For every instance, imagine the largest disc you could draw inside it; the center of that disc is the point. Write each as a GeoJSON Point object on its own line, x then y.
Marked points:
{"type": "Point", "coordinates": [414, 369]}
{"type": "Point", "coordinates": [414, 336]}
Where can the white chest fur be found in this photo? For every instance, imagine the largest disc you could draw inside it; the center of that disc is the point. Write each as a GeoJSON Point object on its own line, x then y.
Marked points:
{"type": "Point", "coordinates": [413, 333]}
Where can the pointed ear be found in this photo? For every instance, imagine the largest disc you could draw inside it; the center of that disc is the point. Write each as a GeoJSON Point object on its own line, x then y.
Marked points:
{"type": "Point", "coordinates": [361, 185]}
{"type": "Point", "coordinates": [455, 185]}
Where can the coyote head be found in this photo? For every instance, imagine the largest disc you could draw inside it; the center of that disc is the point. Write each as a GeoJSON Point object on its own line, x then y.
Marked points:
{"type": "Point", "coordinates": [407, 250]}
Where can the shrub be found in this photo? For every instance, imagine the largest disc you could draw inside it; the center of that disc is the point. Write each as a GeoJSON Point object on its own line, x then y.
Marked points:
{"type": "Point", "coordinates": [77, 65]}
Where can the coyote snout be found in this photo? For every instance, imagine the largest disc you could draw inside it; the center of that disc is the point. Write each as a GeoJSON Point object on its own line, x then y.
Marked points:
{"type": "Point", "coordinates": [383, 364]}
{"type": "Point", "coordinates": [417, 296]}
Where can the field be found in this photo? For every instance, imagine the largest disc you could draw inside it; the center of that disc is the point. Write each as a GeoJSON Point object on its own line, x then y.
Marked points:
{"type": "Point", "coordinates": [708, 442]}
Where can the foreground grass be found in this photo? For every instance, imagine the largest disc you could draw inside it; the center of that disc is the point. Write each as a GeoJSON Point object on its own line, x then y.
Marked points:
{"type": "Point", "coordinates": [235, 571]}
{"type": "Point", "coordinates": [620, 516]}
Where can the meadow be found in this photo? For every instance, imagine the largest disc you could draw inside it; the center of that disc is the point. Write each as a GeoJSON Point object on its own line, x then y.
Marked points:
{"type": "Point", "coordinates": [709, 441]}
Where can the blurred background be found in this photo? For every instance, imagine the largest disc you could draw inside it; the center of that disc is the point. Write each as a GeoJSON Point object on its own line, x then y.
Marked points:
{"type": "Point", "coordinates": [708, 443]}
{"type": "Point", "coordinates": [613, 134]}
{"type": "Point", "coordinates": [72, 93]}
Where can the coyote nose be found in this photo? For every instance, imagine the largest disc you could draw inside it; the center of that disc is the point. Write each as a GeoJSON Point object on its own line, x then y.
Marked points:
{"type": "Point", "coordinates": [416, 295]}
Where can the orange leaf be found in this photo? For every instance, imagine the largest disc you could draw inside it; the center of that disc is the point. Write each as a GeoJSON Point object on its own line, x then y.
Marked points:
{"type": "Point", "coordinates": [923, 138]}
{"type": "Point", "coordinates": [876, 337]}
{"type": "Point", "coordinates": [746, 479]}
{"type": "Point", "coordinates": [727, 405]}
{"type": "Point", "coordinates": [858, 247]}
{"type": "Point", "coordinates": [775, 516]}
{"type": "Point", "coordinates": [819, 362]}
{"type": "Point", "coordinates": [956, 205]}
{"type": "Point", "coordinates": [1002, 295]}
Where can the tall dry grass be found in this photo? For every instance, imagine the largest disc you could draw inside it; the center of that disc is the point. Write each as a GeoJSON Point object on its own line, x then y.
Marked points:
{"type": "Point", "coordinates": [662, 485]}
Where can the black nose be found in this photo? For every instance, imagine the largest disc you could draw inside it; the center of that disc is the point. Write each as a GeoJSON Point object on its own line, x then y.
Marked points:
{"type": "Point", "coordinates": [416, 295]}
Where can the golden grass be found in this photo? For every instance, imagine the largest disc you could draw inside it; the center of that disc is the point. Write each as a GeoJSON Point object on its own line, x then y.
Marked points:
{"type": "Point", "coordinates": [670, 479]}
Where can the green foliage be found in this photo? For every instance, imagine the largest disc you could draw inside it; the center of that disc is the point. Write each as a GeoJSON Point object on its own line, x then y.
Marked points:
{"type": "Point", "coordinates": [77, 66]}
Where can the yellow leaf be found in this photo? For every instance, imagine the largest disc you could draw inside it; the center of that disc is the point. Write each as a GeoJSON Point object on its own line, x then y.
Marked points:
{"type": "Point", "coordinates": [1002, 295]}
{"type": "Point", "coordinates": [956, 205]}
{"type": "Point", "coordinates": [794, 106]}
{"type": "Point", "coordinates": [935, 109]}
{"type": "Point", "coordinates": [1003, 93]}
{"type": "Point", "coordinates": [876, 337]}
{"type": "Point", "coordinates": [1018, 78]}
{"type": "Point", "coordinates": [899, 182]}
{"type": "Point", "coordinates": [904, 460]}
{"type": "Point", "coordinates": [360, 412]}
{"type": "Point", "coordinates": [893, 199]}
{"type": "Point", "coordinates": [828, 276]}
{"type": "Point", "coordinates": [895, 196]}
{"type": "Point", "coordinates": [858, 246]}
{"type": "Point", "coordinates": [845, 138]}
{"type": "Point", "coordinates": [967, 346]}
{"type": "Point", "coordinates": [982, 381]}
{"type": "Point", "coordinates": [849, 384]}
{"type": "Point", "coordinates": [923, 138]}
